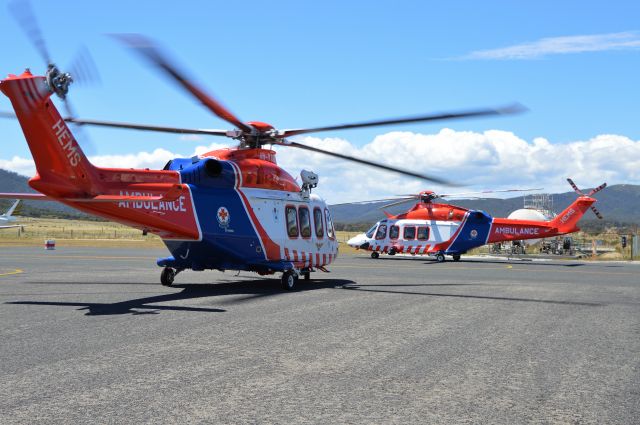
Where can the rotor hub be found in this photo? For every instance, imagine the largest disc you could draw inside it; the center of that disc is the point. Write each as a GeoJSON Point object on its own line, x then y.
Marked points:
{"type": "Point", "coordinates": [58, 81]}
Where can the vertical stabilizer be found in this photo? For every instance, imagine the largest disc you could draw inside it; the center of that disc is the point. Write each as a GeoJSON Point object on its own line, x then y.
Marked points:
{"type": "Point", "coordinates": [11, 210]}
{"type": "Point", "coordinates": [62, 167]}
{"type": "Point", "coordinates": [567, 220]}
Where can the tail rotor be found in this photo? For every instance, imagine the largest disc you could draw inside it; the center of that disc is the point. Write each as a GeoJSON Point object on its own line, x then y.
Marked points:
{"type": "Point", "coordinates": [57, 80]}
{"type": "Point", "coordinates": [592, 192]}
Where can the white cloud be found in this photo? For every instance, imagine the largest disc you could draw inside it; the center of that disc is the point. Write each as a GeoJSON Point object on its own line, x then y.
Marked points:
{"type": "Point", "coordinates": [24, 166]}
{"type": "Point", "coordinates": [561, 45]}
{"type": "Point", "coordinates": [494, 159]}
{"type": "Point", "coordinates": [491, 160]}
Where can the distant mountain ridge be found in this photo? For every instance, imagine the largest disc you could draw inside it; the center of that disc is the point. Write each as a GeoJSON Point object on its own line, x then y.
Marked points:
{"type": "Point", "coordinates": [619, 204]}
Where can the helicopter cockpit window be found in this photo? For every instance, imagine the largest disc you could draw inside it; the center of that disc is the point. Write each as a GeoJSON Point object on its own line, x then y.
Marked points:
{"type": "Point", "coordinates": [330, 230]}
{"type": "Point", "coordinates": [371, 231]}
{"type": "Point", "coordinates": [292, 221]}
{"type": "Point", "coordinates": [305, 222]}
{"type": "Point", "coordinates": [394, 232]}
{"type": "Point", "coordinates": [409, 233]}
{"type": "Point", "coordinates": [423, 233]}
{"type": "Point", "coordinates": [317, 220]}
{"type": "Point", "coordinates": [382, 231]}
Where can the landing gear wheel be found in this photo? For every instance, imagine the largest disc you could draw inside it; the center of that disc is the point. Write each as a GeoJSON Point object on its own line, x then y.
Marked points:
{"type": "Point", "coordinates": [440, 257]}
{"type": "Point", "coordinates": [306, 275]}
{"type": "Point", "coordinates": [167, 276]}
{"type": "Point", "coordinates": [374, 254]}
{"type": "Point", "coordinates": [289, 280]}
{"type": "Point", "coordinates": [456, 257]}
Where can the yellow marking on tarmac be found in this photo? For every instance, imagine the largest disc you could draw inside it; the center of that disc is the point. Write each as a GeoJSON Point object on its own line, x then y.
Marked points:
{"type": "Point", "coordinates": [509, 266]}
{"type": "Point", "coordinates": [16, 271]}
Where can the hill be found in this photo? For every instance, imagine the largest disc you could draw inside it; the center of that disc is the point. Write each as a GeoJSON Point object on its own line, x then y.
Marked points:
{"type": "Point", "coordinates": [619, 204]}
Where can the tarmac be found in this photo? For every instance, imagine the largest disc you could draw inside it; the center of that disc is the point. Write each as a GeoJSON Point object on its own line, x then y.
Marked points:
{"type": "Point", "coordinates": [89, 335]}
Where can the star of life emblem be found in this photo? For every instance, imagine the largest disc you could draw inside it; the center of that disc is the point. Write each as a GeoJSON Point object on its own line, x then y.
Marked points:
{"type": "Point", "coordinates": [223, 217]}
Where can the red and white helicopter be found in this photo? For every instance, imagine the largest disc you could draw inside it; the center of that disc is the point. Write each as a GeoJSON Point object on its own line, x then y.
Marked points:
{"type": "Point", "coordinates": [439, 229]}
{"type": "Point", "coordinates": [229, 209]}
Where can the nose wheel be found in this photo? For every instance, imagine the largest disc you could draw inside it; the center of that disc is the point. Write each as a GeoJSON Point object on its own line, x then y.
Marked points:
{"type": "Point", "coordinates": [374, 254]}
{"type": "Point", "coordinates": [440, 257]}
{"type": "Point", "coordinates": [289, 280]}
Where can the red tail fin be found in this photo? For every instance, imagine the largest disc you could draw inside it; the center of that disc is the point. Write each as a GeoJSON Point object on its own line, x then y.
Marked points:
{"type": "Point", "coordinates": [567, 220]}
{"type": "Point", "coordinates": [59, 160]}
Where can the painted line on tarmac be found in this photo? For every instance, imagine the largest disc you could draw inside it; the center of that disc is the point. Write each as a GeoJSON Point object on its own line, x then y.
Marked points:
{"type": "Point", "coordinates": [16, 271]}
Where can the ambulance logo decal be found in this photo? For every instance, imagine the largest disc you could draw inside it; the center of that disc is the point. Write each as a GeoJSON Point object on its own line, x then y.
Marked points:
{"type": "Point", "coordinates": [223, 217]}
{"type": "Point", "coordinates": [474, 234]}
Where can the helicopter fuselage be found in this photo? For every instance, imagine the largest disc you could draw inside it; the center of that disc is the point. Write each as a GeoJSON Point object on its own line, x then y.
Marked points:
{"type": "Point", "coordinates": [443, 229]}
{"type": "Point", "coordinates": [226, 209]}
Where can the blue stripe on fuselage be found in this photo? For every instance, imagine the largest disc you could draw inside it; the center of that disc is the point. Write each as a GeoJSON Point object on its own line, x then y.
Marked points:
{"type": "Point", "coordinates": [232, 246]}
{"type": "Point", "coordinates": [474, 233]}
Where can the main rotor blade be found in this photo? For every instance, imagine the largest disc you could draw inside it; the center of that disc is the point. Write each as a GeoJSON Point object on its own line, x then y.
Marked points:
{"type": "Point", "coordinates": [449, 195]}
{"type": "Point", "coordinates": [23, 12]}
{"type": "Point", "coordinates": [371, 201]}
{"type": "Point", "coordinates": [511, 109]}
{"type": "Point", "coordinates": [370, 163]}
{"type": "Point", "coordinates": [133, 126]}
{"type": "Point", "coordinates": [404, 201]}
{"type": "Point", "coordinates": [148, 49]}
{"type": "Point", "coordinates": [145, 127]}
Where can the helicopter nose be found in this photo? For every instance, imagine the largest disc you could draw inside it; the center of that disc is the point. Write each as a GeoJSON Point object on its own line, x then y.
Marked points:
{"type": "Point", "coordinates": [358, 241]}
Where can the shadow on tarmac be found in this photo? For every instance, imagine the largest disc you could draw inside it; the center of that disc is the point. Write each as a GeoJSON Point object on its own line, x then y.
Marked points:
{"type": "Point", "coordinates": [373, 288]}
{"type": "Point", "coordinates": [253, 289]}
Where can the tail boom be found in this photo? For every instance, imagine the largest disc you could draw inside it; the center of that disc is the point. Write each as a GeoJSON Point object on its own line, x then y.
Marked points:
{"type": "Point", "coordinates": [504, 229]}
{"type": "Point", "coordinates": [151, 200]}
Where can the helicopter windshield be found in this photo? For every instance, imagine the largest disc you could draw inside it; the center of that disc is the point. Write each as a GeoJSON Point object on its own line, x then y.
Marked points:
{"type": "Point", "coordinates": [370, 232]}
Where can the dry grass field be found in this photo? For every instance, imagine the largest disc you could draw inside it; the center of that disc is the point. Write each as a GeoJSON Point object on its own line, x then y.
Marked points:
{"type": "Point", "coordinates": [34, 231]}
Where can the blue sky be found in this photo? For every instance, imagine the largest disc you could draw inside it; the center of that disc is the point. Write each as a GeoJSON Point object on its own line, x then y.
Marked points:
{"type": "Point", "coordinates": [297, 64]}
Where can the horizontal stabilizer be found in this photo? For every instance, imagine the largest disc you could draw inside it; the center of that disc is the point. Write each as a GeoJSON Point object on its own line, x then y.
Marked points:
{"type": "Point", "coordinates": [173, 192]}
{"type": "Point", "coordinates": [28, 196]}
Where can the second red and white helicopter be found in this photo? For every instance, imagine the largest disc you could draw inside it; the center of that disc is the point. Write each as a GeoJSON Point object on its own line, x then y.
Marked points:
{"type": "Point", "coordinates": [439, 229]}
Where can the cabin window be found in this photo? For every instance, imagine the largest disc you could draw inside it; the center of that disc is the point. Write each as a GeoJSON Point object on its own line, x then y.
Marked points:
{"type": "Point", "coordinates": [382, 231]}
{"type": "Point", "coordinates": [330, 231]}
{"type": "Point", "coordinates": [292, 221]}
{"type": "Point", "coordinates": [305, 222]}
{"type": "Point", "coordinates": [371, 231]}
{"type": "Point", "coordinates": [317, 220]}
{"type": "Point", "coordinates": [394, 232]}
{"type": "Point", "coordinates": [423, 233]}
{"type": "Point", "coordinates": [409, 233]}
